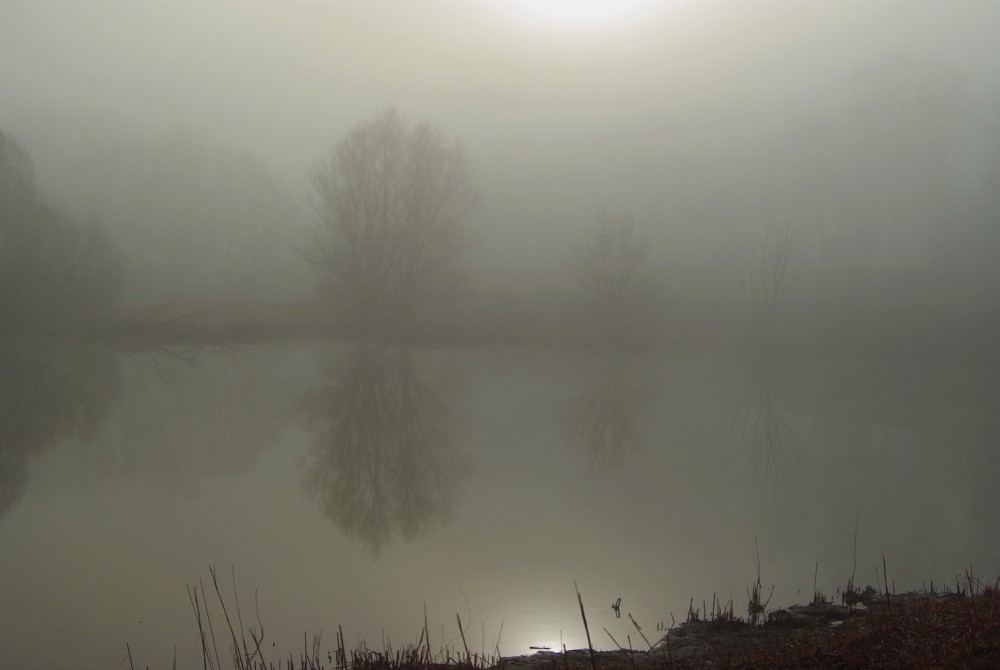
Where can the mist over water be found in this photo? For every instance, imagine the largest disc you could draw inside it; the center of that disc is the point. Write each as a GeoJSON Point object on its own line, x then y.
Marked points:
{"type": "Point", "coordinates": [652, 495]}
{"type": "Point", "coordinates": [392, 307]}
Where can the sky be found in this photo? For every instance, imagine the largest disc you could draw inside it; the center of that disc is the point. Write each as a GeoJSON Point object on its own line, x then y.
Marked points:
{"type": "Point", "coordinates": [562, 114]}
{"type": "Point", "coordinates": [288, 79]}
{"type": "Point", "coordinates": [257, 68]}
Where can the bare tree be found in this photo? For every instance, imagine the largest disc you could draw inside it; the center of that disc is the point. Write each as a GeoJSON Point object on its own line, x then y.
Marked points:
{"type": "Point", "coordinates": [612, 270]}
{"type": "Point", "coordinates": [392, 201]}
{"type": "Point", "coordinates": [769, 266]}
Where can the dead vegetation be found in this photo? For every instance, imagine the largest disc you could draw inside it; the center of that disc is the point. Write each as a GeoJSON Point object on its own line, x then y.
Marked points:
{"type": "Point", "coordinates": [957, 627]}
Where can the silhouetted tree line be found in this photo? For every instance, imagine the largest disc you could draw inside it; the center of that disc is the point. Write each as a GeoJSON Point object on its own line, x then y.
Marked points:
{"type": "Point", "coordinates": [50, 264]}
{"type": "Point", "coordinates": [392, 204]}
{"type": "Point", "coordinates": [199, 223]}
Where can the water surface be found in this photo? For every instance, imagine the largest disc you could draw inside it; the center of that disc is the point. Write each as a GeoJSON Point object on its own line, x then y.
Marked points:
{"type": "Point", "coordinates": [358, 484]}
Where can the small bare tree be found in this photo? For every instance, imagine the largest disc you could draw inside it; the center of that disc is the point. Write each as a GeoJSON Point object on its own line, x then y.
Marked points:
{"type": "Point", "coordinates": [392, 201]}
{"type": "Point", "coordinates": [770, 266]}
{"type": "Point", "coordinates": [611, 267]}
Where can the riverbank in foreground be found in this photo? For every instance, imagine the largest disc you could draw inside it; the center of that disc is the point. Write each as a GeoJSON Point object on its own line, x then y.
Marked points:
{"type": "Point", "coordinates": [913, 630]}
{"type": "Point", "coordinates": [955, 628]}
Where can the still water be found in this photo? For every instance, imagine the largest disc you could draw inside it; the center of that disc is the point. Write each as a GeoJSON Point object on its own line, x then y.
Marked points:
{"type": "Point", "coordinates": [358, 485]}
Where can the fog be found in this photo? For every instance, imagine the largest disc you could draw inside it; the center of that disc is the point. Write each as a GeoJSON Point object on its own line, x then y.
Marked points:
{"type": "Point", "coordinates": [393, 252]}
{"type": "Point", "coordinates": [871, 126]}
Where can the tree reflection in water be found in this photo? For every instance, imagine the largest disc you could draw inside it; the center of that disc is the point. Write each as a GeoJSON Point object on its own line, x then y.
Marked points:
{"type": "Point", "coordinates": [603, 420]}
{"type": "Point", "coordinates": [383, 460]}
{"type": "Point", "coordinates": [49, 391]}
{"type": "Point", "coordinates": [758, 426]}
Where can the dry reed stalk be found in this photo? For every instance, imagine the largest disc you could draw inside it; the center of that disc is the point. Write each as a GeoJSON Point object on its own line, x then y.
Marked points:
{"type": "Point", "coordinates": [461, 632]}
{"type": "Point", "coordinates": [590, 646]}
{"type": "Point", "coordinates": [640, 631]}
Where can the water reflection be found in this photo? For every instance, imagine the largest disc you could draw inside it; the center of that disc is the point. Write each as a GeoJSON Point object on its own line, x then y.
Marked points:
{"type": "Point", "coordinates": [49, 391]}
{"type": "Point", "coordinates": [190, 416]}
{"type": "Point", "coordinates": [383, 460]}
{"type": "Point", "coordinates": [603, 420]}
{"type": "Point", "coordinates": [759, 427]}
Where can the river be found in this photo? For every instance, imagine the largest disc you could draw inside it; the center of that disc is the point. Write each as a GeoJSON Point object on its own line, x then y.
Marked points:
{"type": "Point", "coordinates": [362, 485]}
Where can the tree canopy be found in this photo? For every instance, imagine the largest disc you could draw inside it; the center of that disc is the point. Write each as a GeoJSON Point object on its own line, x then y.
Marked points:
{"type": "Point", "coordinates": [49, 263]}
{"type": "Point", "coordinates": [392, 200]}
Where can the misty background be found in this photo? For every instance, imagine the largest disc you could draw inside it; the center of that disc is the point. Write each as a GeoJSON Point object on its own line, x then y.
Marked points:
{"type": "Point", "coordinates": [189, 132]}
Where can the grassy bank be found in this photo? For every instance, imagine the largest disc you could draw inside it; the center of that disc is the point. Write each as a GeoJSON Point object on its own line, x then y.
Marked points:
{"type": "Point", "coordinates": [958, 627]}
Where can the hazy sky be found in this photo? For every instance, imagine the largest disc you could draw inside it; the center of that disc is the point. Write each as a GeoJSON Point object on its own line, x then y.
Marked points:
{"type": "Point", "coordinates": [560, 115]}
{"type": "Point", "coordinates": [286, 79]}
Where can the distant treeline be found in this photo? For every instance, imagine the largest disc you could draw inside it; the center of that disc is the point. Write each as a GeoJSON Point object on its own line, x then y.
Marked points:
{"type": "Point", "coordinates": [192, 242]}
{"type": "Point", "coordinates": [50, 264]}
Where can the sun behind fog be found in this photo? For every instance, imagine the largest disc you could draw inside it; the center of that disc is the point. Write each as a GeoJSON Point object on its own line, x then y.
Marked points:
{"type": "Point", "coordinates": [582, 13]}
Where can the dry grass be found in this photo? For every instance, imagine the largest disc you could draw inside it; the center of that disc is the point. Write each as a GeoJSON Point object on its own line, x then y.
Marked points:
{"type": "Point", "coordinates": [242, 647]}
{"type": "Point", "coordinates": [923, 631]}
{"type": "Point", "coordinates": [912, 631]}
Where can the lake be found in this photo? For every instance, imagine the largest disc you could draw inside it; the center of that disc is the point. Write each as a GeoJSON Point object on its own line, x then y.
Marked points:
{"type": "Point", "coordinates": [362, 485]}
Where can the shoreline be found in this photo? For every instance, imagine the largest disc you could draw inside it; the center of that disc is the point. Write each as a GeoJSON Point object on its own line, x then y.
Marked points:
{"type": "Point", "coordinates": [959, 629]}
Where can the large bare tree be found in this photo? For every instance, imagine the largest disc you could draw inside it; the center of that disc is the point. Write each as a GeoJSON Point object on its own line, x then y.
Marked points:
{"type": "Point", "coordinates": [392, 201]}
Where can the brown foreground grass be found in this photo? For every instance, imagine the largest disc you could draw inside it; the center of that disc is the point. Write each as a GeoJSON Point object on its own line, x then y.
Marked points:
{"type": "Point", "coordinates": [958, 628]}
{"type": "Point", "coordinates": [920, 631]}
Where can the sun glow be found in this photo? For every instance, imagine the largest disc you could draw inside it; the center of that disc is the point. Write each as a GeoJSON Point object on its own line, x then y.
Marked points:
{"type": "Point", "coordinates": [583, 13]}
{"type": "Point", "coordinates": [552, 646]}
